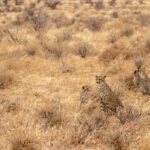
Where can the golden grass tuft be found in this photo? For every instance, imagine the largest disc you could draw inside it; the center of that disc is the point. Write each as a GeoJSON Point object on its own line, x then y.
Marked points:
{"type": "Point", "coordinates": [48, 50]}
{"type": "Point", "coordinates": [51, 115]}
{"type": "Point", "coordinates": [7, 78]}
{"type": "Point", "coordinates": [109, 55]}
{"type": "Point", "coordinates": [84, 49]}
{"type": "Point", "coordinates": [128, 114]}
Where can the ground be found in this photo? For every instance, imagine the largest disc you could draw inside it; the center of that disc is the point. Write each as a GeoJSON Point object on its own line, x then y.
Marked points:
{"type": "Point", "coordinates": [47, 54]}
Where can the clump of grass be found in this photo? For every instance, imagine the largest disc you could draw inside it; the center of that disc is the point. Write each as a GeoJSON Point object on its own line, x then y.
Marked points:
{"type": "Point", "coordinates": [31, 51]}
{"type": "Point", "coordinates": [94, 23]}
{"type": "Point", "coordinates": [90, 118]}
{"type": "Point", "coordinates": [7, 78]}
{"type": "Point", "coordinates": [118, 140]}
{"type": "Point", "coordinates": [144, 20]}
{"type": "Point", "coordinates": [112, 2]}
{"type": "Point", "coordinates": [26, 15]}
{"type": "Point", "coordinates": [55, 49]}
{"type": "Point", "coordinates": [65, 35]}
{"type": "Point", "coordinates": [128, 114]}
{"type": "Point", "coordinates": [114, 14]}
{"type": "Point", "coordinates": [113, 37]}
{"type": "Point", "coordinates": [24, 144]}
{"type": "Point", "coordinates": [128, 81]}
{"type": "Point", "coordinates": [68, 68]}
{"type": "Point", "coordinates": [62, 20]}
{"type": "Point", "coordinates": [12, 108]}
{"type": "Point", "coordinates": [141, 2]}
{"type": "Point", "coordinates": [18, 2]}
{"type": "Point", "coordinates": [108, 55]}
{"type": "Point", "coordinates": [51, 115]}
{"type": "Point", "coordinates": [84, 49]}
{"type": "Point", "coordinates": [127, 2]}
{"type": "Point", "coordinates": [99, 5]}
{"type": "Point", "coordinates": [52, 3]}
{"type": "Point", "coordinates": [127, 32]}
{"type": "Point", "coordinates": [39, 20]}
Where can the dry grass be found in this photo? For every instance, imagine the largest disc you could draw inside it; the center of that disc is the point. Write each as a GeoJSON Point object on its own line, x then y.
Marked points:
{"type": "Point", "coordinates": [94, 23]}
{"type": "Point", "coordinates": [7, 78]}
{"type": "Point", "coordinates": [51, 114]}
{"type": "Point", "coordinates": [128, 114]}
{"type": "Point", "coordinates": [109, 55]}
{"type": "Point", "coordinates": [84, 49]}
{"type": "Point", "coordinates": [49, 49]}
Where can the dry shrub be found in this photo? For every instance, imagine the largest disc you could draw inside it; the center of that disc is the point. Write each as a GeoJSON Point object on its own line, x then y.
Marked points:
{"type": "Point", "coordinates": [94, 23]}
{"type": "Point", "coordinates": [68, 68]}
{"type": "Point", "coordinates": [128, 114]}
{"type": "Point", "coordinates": [114, 14]}
{"type": "Point", "coordinates": [39, 20]}
{"type": "Point", "coordinates": [7, 78]}
{"type": "Point", "coordinates": [51, 115]}
{"type": "Point", "coordinates": [23, 141]}
{"type": "Point", "coordinates": [20, 19]}
{"type": "Point", "coordinates": [16, 9]}
{"type": "Point", "coordinates": [90, 118]}
{"type": "Point", "coordinates": [144, 20]}
{"type": "Point", "coordinates": [115, 66]}
{"type": "Point", "coordinates": [118, 140]}
{"type": "Point", "coordinates": [31, 51]}
{"type": "Point", "coordinates": [99, 5]}
{"type": "Point", "coordinates": [65, 35]}
{"type": "Point", "coordinates": [55, 49]}
{"type": "Point", "coordinates": [128, 81]}
{"type": "Point", "coordinates": [112, 2]}
{"type": "Point", "coordinates": [26, 15]}
{"type": "Point", "coordinates": [62, 20]}
{"type": "Point", "coordinates": [109, 54]}
{"type": "Point", "coordinates": [127, 32]}
{"type": "Point", "coordinates": [13, 54]}
{"type": "Point", "coordinates": [23, 145]}
{"type": "Point", "coordinates": [12, 108]}
{"type": "Point", "coordinates": [141, 1]}
{"type": "Point", "coordinates": [127, 2]}
{"type": "Point", "coordinates": [52, 3]}
{"type": "Point", "coordinates": [18, 2]}
{"type": "Point", "coordinates": [84, 49]}
{"type": "Point", "coordinates": [113, 37]}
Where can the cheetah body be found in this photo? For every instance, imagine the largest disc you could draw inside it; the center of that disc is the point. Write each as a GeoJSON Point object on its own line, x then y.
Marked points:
{"type": "Point", "coordinates": [106, 96]}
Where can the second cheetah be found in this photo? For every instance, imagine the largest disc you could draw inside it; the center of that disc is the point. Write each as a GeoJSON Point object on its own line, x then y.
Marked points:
{"type": "Point", "coordinates": [85, 94]}
{"type": "Point", "coordinates": [141, 82]}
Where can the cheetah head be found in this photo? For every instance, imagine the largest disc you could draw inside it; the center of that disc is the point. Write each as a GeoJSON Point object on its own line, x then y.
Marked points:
{"type": "Point", "coordinates": [100, 79]}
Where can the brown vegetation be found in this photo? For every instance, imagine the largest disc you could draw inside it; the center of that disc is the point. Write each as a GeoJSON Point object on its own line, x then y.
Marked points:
{"type": "Point", "coordinates": [50, 53]}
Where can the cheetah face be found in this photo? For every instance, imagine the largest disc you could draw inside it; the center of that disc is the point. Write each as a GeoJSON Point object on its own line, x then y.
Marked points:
{"type": "Point", "coordinates": [100, 79]}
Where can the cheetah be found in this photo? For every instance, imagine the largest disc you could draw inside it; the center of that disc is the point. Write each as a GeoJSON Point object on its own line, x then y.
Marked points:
{"type": "Point", "coordinates": [106, 96]}
{"type": "Point", "coordinates": [84, 94]}
{"type": "Point", "coordinates": [141, 81]}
